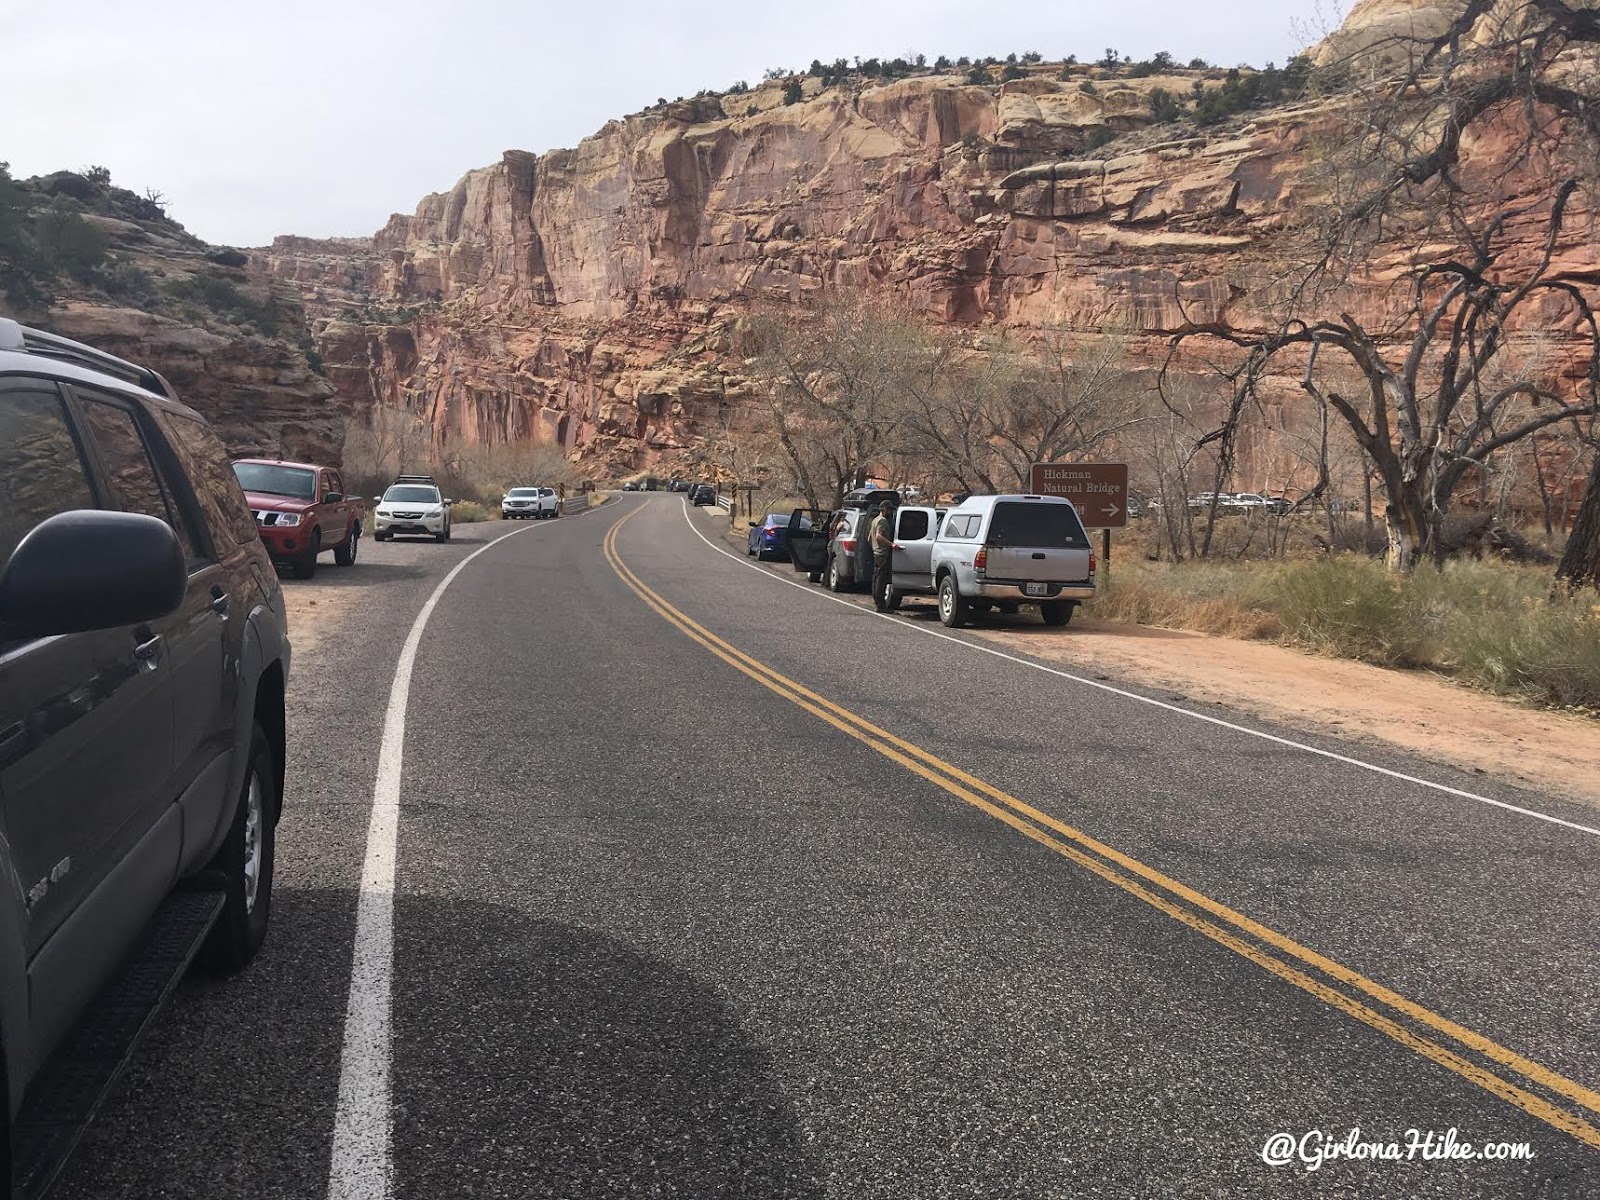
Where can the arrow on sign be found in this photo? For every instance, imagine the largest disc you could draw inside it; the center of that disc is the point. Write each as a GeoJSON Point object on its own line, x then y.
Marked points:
{"type": "Point", "coordinates": [1111, 510]}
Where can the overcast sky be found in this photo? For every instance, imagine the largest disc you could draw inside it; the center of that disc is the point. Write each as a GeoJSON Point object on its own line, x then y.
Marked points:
{"type": "Point", "coordinates": [321, 117]}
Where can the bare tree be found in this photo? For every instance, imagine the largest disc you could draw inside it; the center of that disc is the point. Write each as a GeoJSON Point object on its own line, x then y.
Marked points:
{"type": "Point", "coordinates": [1526, 71]}
{"type": "Point", "coordinates": [1444, 390]}
{"type": "Point", "coordinates": [836, 375]}
{"type": "Point", "coordinates": [1429, 417]}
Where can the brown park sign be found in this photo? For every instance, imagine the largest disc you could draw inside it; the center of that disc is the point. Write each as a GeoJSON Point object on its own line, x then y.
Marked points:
{"type": "Point", "coordinates": [1099, 491]}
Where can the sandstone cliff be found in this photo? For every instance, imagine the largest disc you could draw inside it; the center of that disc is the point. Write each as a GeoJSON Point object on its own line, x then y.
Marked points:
{"type": "Point", "coordinates": [582, 297]}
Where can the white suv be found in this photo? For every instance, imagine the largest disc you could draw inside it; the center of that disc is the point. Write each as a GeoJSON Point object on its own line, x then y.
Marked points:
{"type": "Point", "coordinates": [412, 505]}
{"type": "Point", "coordinates": [536, 502]}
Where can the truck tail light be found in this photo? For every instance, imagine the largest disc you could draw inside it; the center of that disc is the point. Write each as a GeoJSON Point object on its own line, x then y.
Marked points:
{"type": "Point", "coordinates": [980, 560]}
{"type": "Point", "coordinates": [1091, 566]}
{"type": "Point", "coordinates": [848, 545]}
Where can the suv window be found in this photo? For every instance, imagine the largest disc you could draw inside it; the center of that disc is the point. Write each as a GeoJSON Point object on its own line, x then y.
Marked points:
{"type": "Point", "coordinates": [1019, 523]}
{"type": "Point", "coordinates": [135, 484]}
{"type": "Point", "coordinates": [41, 470]}
{"type": "Point", "coordinates": [210, 471]}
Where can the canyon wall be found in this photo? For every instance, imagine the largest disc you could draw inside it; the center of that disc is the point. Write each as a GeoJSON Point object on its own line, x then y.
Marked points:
{"type": "Point", "coordinates": [584, 297]}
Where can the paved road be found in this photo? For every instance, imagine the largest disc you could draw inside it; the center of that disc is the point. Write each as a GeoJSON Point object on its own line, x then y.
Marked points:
{"type": "Point", "coordinates": [708, 886]}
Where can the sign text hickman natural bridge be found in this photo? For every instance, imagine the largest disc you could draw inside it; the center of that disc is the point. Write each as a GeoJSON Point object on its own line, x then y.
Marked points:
{"type": "Point", "coordinates": [1099, 491]}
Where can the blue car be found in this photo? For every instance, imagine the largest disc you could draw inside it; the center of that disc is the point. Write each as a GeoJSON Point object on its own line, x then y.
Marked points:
{"type": "Point", "coordinates": [769, 537]}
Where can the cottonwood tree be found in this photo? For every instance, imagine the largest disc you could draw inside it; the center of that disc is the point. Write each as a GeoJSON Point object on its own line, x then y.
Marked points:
{"type": "Point", "coordinates": [1467, 144]}
{"type": "Point", "coordinates": [1443, 391]}
{"type": "Point", "coordinates": [990, 411]}
{"type": "Point", "coordinates": [835, 374]}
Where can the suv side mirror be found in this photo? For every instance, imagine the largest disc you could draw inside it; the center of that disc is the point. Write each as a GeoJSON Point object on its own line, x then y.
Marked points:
{"type": "Point", "coordinates": [447, 500]}
{"type": "Point", "coordinates": [753, 524]}
{"type": "Point", "coordinates": [87, 570]}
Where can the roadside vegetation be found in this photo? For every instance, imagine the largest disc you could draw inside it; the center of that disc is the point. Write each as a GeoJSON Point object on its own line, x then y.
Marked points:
{"type": "Point", "coordinates": [1492, 625]}
{"type": "Point", "coordinates": [388, 442]}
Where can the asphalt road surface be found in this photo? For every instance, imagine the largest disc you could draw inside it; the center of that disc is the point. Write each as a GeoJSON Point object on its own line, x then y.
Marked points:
{"type": "Point", "coordinates": [704, 885]}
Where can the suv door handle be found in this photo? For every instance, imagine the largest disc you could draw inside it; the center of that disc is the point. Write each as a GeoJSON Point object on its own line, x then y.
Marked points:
{"type": "Point", "coordinates": [148, 651]}
{"type": "Point", "coordinates": [219, 600]}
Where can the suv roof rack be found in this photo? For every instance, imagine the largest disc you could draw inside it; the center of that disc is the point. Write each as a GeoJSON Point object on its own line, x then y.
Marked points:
{"type": "Point", "coordinates": [414, 479]}
{"type": "Point", "coordinates": [14, 336]}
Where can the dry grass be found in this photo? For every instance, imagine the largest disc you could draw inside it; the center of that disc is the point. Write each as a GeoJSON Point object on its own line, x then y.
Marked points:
{"type": "Point", "coordinates": [1494, 625]}
{"type": "Point", "coordinates": [467, 511]}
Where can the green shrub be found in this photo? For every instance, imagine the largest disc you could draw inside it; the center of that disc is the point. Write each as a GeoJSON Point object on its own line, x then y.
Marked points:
{"type": "Point", "coordinates": [222, 298]}
{"type": "Point", "coordinates": [125, 280]}
{"type": "Point", "coordinates": [979, 75]}
{"type": "Point", "coordinates": [793, 93]}
{"type": "Point", "coordinates": [1013, 71]}
{"type": "Point", "coordinates": [469, 510]}
{"type": "Point", "coordinates": [1164, 106]}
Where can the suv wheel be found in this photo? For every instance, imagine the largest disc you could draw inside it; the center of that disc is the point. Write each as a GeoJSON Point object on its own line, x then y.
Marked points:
{"type": "Point", "coordinates": [306, 565]}
{"type": "Point", "coordinates": [835, 580]}
{"type": "Point", "coordinates": [245, 862]}
{"type": "Point", "coordinates": [1057, 612]}
{"type": "Point", "coordinates": [952, 608]}
{"type": "Point", "coordinates": [345, 552]}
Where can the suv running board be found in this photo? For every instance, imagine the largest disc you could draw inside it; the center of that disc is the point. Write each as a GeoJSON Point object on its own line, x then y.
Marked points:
{"type": "Point", "coordinates": [81, 1073]}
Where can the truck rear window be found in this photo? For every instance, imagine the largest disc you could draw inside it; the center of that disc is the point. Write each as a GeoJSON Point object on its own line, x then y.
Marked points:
{"type": "Point", "coordinates": [1047, 526]}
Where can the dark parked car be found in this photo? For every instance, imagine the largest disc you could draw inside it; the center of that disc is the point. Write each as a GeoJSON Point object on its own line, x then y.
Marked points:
{"type": "Point", "coordinates": [702, 493]}
{"type": "Point", "coordinates": [630, 486]}
{"type": "Point", "coordinates": [143, 657]}
{"type": "Point", "coordinates": [834, 549]}
{"type": "Point", "coordinates": [769, 537]}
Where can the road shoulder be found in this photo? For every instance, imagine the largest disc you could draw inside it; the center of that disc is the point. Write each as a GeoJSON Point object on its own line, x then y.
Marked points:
{"type": "Point", "coordinates": [1425, 715]}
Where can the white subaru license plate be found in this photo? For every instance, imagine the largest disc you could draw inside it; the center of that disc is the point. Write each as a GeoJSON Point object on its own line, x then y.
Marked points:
{"type": "Point", "coordinates": [1036, 589]}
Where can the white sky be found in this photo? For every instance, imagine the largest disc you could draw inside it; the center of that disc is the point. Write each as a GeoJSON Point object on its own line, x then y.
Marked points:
{"type": "Point", "coordinates": [321, 117]}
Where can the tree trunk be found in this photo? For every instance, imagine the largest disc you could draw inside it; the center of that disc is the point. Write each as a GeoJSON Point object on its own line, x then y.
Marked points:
{"type": "Point", "coordinates": [1580, 565]}
{"type": "Point", "coordinates": [1407, 526]}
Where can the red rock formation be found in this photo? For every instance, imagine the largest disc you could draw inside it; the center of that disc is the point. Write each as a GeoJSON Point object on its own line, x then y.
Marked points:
{"type": "Point", "coordinates": [578, 296]}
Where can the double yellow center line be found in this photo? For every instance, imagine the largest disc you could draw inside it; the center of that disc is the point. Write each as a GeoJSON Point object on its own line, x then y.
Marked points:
{"type": "Point", "coordinates": [1333, 983]}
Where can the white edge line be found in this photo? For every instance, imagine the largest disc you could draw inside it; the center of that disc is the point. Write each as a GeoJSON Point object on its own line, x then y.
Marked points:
{"type": "Point", "coordinates": [363, 1166]}
{"type": "Point", "coordinates": [1174, 708]}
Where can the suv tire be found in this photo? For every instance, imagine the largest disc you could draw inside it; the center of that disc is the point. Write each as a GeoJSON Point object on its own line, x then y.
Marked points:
{"type": "Point", "coordinates": [306, 565]}
{"type": "Point", "coordinates": [835, 579]}
{"type": "Point", "coordinates": [1057, 612]}
{"type": "Point", "coordinates": [345, 552]}
{"type": "Point", "coordinates": [952, 606]}
{"type": "Point", "coordinates": [245, 863]}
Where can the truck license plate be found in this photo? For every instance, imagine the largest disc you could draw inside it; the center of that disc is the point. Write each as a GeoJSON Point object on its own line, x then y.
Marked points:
{"type": "Point", "coordinates": [1036, 589]}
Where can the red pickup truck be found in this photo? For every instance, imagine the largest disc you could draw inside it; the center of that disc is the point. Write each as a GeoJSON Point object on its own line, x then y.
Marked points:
{"type": "Point", "coordinates": [301, 510]}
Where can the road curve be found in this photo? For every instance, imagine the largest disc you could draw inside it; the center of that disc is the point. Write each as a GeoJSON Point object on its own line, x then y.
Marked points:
{"type": "Point", "coordinates": [707, 886]}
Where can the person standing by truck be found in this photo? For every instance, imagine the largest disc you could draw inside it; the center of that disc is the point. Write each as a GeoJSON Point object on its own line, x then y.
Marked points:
{"type": "Point", "coordinates": [881, 539]}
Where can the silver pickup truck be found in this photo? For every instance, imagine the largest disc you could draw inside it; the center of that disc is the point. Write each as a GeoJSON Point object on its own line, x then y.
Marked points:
{"type": "Point", "coordinates": [993, 552]}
